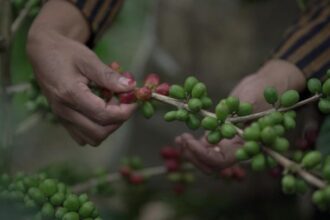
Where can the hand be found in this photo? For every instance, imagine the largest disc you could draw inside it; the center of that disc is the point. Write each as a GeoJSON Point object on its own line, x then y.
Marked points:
{"type": "Point", "coordinates": [207, 157]}
{"type": "Point", "coordinates": [64, 67]}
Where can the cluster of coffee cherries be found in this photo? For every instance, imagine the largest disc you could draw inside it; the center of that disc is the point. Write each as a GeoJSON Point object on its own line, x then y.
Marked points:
{"type": "Point", "coordinates": [130, 171]}
{"type": "Point", "coordinates": [48, 197]}
{"type": "Point", "coordinates": [176, 169]}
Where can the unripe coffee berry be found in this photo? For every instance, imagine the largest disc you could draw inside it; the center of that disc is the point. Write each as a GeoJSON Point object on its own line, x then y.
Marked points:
{"type": "Point", "coordinates": [258, 162]}
{"type": "Point", "coordinates": [311, 159]}
{"type": "Point", "coordinates": [222, 111]}
{"type": "Point", "coordinates": [251, 134]}
{"type": "Point", "coordinates": [314, 86]}
{"type": "Point", "coordinates": [177, 92]}
{"type": "Point", "coordinates": [47, 211]}
{"type": "Point", "coordinates": [170, 116]}
{"type": "Point", "coordinates": [288, 184]}
{"type": "Point", "coordinates": [228, 130]}
{"type": "Point", "coordinates": [268, 135]}
{"type": "Point", "coordinates": [214, 137]}
{"type": "Point", "coordinates": [198, 90]}
{"type": "Point", "coordinates": [289, 98]}
{"type": "Point", "coordinates": [148, 110]}
{"type": "Point", "coordinates": [324, 106]}
{"type": "Point", "coordinates": [326, 87]}
{"type": "Point", "coordinates": [318, 197]}
{"type": "Point", "coordinates": [244, 109]}
{"type": "Point", "coordinates": [71, 203]}
{"type": "Point", "coordinates": [48, 187]}
{"type": "Point", "coordinates": [251, 147]}
{"type": "Point", "coordinates": [189, 83]}
{"type": "Point", "coordinates": [232, 103]}
{"type": "Point", "coordinates": [195, 105]}
{"type": "Point", "coordinates": [86, 209]}
{"type": "Point", "coordinates": [289, 122]}
{"type": "Point", "coordinates": [281, 144]}
{"type": "Point", "coordinates": [182, 115]}
{"type": "Point", "coordinates": [209, 123]}
{"type": "Point", "coordinates": [60, 212]}
{"type": "Point", "coordinates": [206, 102]}
{"type": "Point", "coordinates": [301, 186]}
{"type": "Point", "coordinates": [57, 199]}
{"type": "Point", "coordinates": [193, 122]}
{"type": "Point", "coordinates": [71, 216]}
{"type": "Point", "coordinates": [241, 154]}
{"type": "Point", "coordinates": [270, 95]}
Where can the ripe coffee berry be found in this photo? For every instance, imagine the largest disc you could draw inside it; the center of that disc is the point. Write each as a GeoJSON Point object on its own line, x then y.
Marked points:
{"type": "Point", "coordinates": [163, 89]}
{"type": "Point", "coordinates": [169, 153]}
{"type": "Point", "coordinates": [143, 93]}
{"type": "Point", "coordinates": [136, 179]}
{"type": "Point", "coordinates": [125, 171]}
{"type": "Point", "coordinates": [127, 97]}
{"type": "Point", "coordinates": [172, 165]}
{"type": "Point", "coordinates": [152, 80]}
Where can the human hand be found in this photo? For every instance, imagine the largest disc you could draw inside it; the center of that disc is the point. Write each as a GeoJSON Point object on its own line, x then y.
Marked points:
{"type": "Point", "coordinates": [207, 157]}
{"type": "Point", "coordinates": [64, 67]}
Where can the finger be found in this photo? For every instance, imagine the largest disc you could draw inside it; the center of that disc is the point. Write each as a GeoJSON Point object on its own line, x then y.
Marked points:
{"type": "Point", "coordinates": [188, 155]}
{"type": "Point", "coordinates": [74, 133]}
{"type": "Point", "coordinates": [95, 108]}
{"type": "Point", "coordinates": [95, 70]}
{"type": "Point", "coordinates": [95, 133]}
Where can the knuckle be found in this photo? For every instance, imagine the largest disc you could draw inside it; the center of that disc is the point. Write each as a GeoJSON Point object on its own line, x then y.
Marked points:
{"type": "Point", "coordinates": [102, 118]}
{"type": "Point", "coordinates": [66, 94]}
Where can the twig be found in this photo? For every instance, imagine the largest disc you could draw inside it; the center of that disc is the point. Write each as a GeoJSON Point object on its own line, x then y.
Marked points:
{"type": "Point", "coordinates": [23, 87]}
{"type": "Point", "coordinates": [21, 17]}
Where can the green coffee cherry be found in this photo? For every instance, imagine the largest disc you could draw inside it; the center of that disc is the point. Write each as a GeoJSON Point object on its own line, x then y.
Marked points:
{"type": "Point", "coordinates": [311, 159]}
{"type": "Point", "coordinates": [86, 209]}
{"type": "Point", "coordinates": [83, 198]}
{"type": "Point", "coordinates": [182, 115]}
{"type": "Point", "coordinates": [301, 186]}
{"type": "Point", "coordinates": [324, 106]}
{"type": "Point", "coordinates": [270, 95]}
{"type": "Point", "coordinates": [228, 130]}
{"type": "Point", "coordinates": [326, 171]}
{"type": "Point", "coordinates": [174, 176]}
{"type": "Point", "coordinates": [314, 86]}
{"type": "Point", "coordinates": [193, 122]}
{"type": "Point", "coordinates": [206, 102]}
{"type": "Point", "coordinates": [36, 195]}
{"type": "Point", "coordinates": [288, 184]}
{"type": "Point", "coordinates": [189, 83]}
{"type": "Point", "coordinates": [71, 203]}
{"type": "Point", "coordinates": [177, 92]}
{"type": "Point", "coordinates": [170, 116]}
{"type": "Point", "coordinates": [268, 135]}
{"type": "Point", "coordinates": [48, 187]}
{"type": "Point", "coordinates": [251, 147]}
{"type": "Point", "coordinates": [251, 134]}
{"type": "Point", "coordinates": [222, 111]}
{"type": "Point", "coordinates": [198, 90]}
{"type": "Point", "coordinates": [326, 191]}
{"type": "Point", "coordinates": [271, 162]}
{"type": "Point", "coordinates": [289, 98]}
{"type": "Point", "coordinates": [281, 144]}
{"type": "Point", "coordinates": [60, 212]}
{"type": "Point", "coordinates": [195, 105]}
{"type": "Point", "coordinates": [279, 129]}
{"type": "Point", "coordinates": [276, 118]}
{"type": "Point", "coordinates": [244, 109]}
{"type": "Point", "coordinates": [57, 199]}
{"type": "Point", "coordinates": [148, 109]}
{"type": "Point", "coordinates": [297, 156]}
{"type": "Point", "coordinates": [71, 216]}
{"type": "Point", "coordinates": [318, 197]}
{"type": "Point", "coordinates": [214, 137]}
{"type": "Point", "coordinates": [209, 123]}
{"type": "Point", "coordinates": [258, 162]}
{"type": "Point", "coordinates": [241, 154]}
{"type": "Point", "coordinates": [232, 103]}
{"type": "Point", "coordinates": [289, 123]}
{"type": "Point", "coordinates": [326, 87]}
{"type": "Point", "coordinates": [47, 210]}
{"type": "Point", "coordinates": [291, 114]}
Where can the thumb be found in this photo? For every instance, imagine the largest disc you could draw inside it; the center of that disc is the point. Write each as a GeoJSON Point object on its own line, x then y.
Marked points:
{"type": "Point", "coordinates": [101, 74]}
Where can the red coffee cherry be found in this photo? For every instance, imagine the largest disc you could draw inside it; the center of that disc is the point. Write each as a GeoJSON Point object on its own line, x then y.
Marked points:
{"type": "Point", "coordinates": [238, 173]}
{"type": "Point", "coordinates": [152, 80]}
{"type": "Point", "coordinates": [125, 171]}
{"type": "Point", "coordinates": [302, 144]}
{"type": "Point", "coordinates": [169, 153]}
{"type": "Point", "coordinates": [136, 179]}
{"type": "Point", "coordinates": [128, 75]}
{"type": "Point", "coordinates": [172, 165]}
{"type": "Point", "coordinates": [163, 89]}
{"type": "Point", "coordinates": [143, 94]}
{"type": "Point", "coordinates": [127, 97]}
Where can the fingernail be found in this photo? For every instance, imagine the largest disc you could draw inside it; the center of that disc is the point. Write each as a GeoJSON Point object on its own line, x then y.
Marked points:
{"type": "Point", "coordinates": [126, 82]}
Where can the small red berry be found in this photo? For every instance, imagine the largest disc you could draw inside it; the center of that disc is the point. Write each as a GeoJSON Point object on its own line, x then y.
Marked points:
{"type": "Point", "coordinates": [238, 173]}
{"type": "Point", "coordinates": [127, 97]}
{"type": "Point", "coordinates": [276, 171]}
{"type": "Point", "coordinates": [115, 66]}
{"type": "Point", "coordinates": [227, 172]}
{"type": "Point", "coordinates": [152, 80]}
{"type": "Point", "coordinates": [125, 171]}
{"type": "Point", "coordinates": [169, 153]}
{"type": "Point", "coordinates": [128, 75]}
{"type": "Point", "coordinates": [172, 165]}
{"type": "Point", "coordinates": [143, 93]}
{"type": "Point", "coordinates": [163, 89]}
{"type": "Point", "coordinates": [136, 179]}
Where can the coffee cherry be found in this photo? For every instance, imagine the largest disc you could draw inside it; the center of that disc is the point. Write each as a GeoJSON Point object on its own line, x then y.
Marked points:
{"type": "Point", "coordinates": [291, 114]}
{"type": "Point", "coordinates": [281, 144]}
{"type": "Point", "coordinates": [193, 122]}
{"type": "Point", "coordinates": [301, 186]}
{"type": "Point", "coordinates": [182, 115]}
{"type": "Point", "coordinates": [326, 171]}
{"type": "Point", "coordinates": [324, 106]}
{"type": "Point", "coordinates": [71, 216]}
{"type": "Point", "coordinates": [127, 97]}
{"type": "Point", "coordinates": [47, 210]}
{"type": "Point", "coordinates": [60, 212]}
{"type": "Point", "coordinates": [148, 110]}
{"type": "Point", "coordinates": [268, 135]}
{"type": "Point", "coordinates": [48, 187]}
{"type": "Point", "coordinates": [136, 163]}
{"type": "Point", "coordinates": [271, 162]}
{"type": "Point", "coordinates": [288, 184]}
{"type": "Point", "coordinates": [152, 80]}
{"type": "Point", "coordinates": [57, 199]}
{"type": "Point", "coordinates": [172, 165]}
{"type": "Point", "coordinates": [198, 90]}
{"type": "Point", "coordinates": [241, 154]}
{"type": "Point", "coordinates": [222, 111]}
{"type": "Point", "coordinates": [326, 191]}
{"type": "Point", "coordinates": [258, 162]}
{"type": "Point", "coordinates": [169, 153]}
{"type": "Point", "coordinates": [279, 130]}
{"type": "Point", "coordinates": [244, 109]}
{"type": "Point", "coordinates": [289, 98]}
{"type": "Point", "coordinates": [125, 171]}
{"type": "Point", "coordinates": [276, 118]}
{"type": "Point", "coordinates": [206, 102]}
{"type": "Point", "coordinates": [270, 95]}
{"type": "Point", "coordinates": [314, 86]}
{"type": "Point", "coordinates": [136, 179]}
{"type": "Point", "coordinates": [86, 209]}
{"type": "Point", "coordinates": [189, 83]}
{"type": "Point", "coordinates": [232, 103]}
{"type": "Point", "coordinates": [163, 89]}
{"type": "Point", "coordinates": [251, 147]}
{"type": "Point", "coordinates": [83, 198]}
{"type": "Point", "coordinates": [228, 130]}
{"type": "Point", "coordinates": [170, 116]}
{"type": "Point", "coordinates": [318, 197]}
{"type": "Point", "coordinates": [177, 92]}
{"type": "Point", "coordinates": [174, 177]}
{"type": "Point", "coordinates": [143, 94]}
{"type": "Point", "coordinates": [195, 105]}
{"type": "Point", "coordinates": [214, 137]}
{"type": "Point", "coordinates": [209, 123]}
{"type": "Point", "coordinates": [311, 159]}
{"type": "Point", "coordinates": [128, 75]}
{"type": "Point", "coordinates": [251, 134]}
{"type": "Point", "coordinates": [326, 87]}
{"type": "Point", "coordinates": [297, 156]}
{"type": "Point", "coordinates": [71, 203]}
{"type": "Point", "coordinates": [36, 195]}
{"type": "Point", "coordinates": [289, 123]}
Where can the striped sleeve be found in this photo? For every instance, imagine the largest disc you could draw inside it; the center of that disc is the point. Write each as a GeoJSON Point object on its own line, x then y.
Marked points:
{"type": "Point", "coordinates": [307, 43]}
{"type": "Point", "coordinates": [99, 15]}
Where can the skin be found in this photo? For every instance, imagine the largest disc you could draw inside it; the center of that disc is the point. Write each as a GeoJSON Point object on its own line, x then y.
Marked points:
{"type": "Point", "coordinates": [64, 67]}
{"type": "Point", "coordinates": [277, 73]}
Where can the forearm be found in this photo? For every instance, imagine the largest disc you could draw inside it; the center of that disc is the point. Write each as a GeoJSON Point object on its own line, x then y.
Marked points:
{"type": "Point", "coordinates": [60, 17]}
